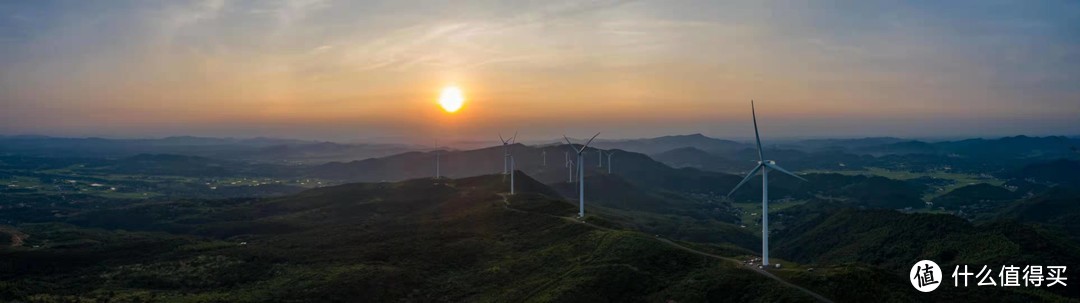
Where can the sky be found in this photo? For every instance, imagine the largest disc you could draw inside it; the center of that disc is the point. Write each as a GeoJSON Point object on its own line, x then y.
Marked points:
{"type": "Point", "coordinates": [372, 70]}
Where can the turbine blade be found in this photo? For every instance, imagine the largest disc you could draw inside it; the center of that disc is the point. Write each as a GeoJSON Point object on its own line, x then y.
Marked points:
{"type": "Point", "coordinates": [571, 145]}
{"type": "Point", "coordinates": [747, 178]}
{"type": "Point", "coordinates": [761, 155]}
{"type": "Point", "coordinates": [514, 138]}
{"type": "Point", "coordinates": [587, 143]}
{"type": "Point", "coordinates": [501, 138]}
{"type": "Point", "coordinates": [776, 167]}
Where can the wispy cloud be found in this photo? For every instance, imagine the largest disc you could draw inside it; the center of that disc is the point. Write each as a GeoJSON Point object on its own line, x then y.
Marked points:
{"type": "Point", "coordinates": [472, 43]}
{"type": "Point", "coordinates": [367, 60]}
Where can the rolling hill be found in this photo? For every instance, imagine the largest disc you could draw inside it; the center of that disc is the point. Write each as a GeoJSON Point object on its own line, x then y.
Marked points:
{"type": "Point", "coordinates": [1058, 207]}
{"type": "Point", "coordinates": [636, 168]}
{"type": "Point", "coordinates": [975, 195]}
{"type": "Point", "coordinates": [893, 241]}
{"type": "Point", "coordinates": [1061, 171]}
{"type": "Point", "coordinates": [463, 240]}
{"type": "Point", "coordinates": [661, 212]}
{"type": "Point", "coordinates": [416, 240]}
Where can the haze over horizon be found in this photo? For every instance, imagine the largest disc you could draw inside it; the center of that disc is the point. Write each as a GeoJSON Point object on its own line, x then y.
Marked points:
{"type": "Point", "coordinates": [347, 70]}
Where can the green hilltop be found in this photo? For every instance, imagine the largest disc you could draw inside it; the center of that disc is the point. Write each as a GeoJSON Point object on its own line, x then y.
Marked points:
{"type": "Point", "coordinates": [415, 240]}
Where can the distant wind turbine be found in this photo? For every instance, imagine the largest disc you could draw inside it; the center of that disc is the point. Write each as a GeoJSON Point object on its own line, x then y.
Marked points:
{"type": "Point", "coordinates": [599, 158]}
{"type": "Point", "coordinates": [581, 172]}
{"type": "Point", "coordinates": [506, 149]}
{"type": "Point", "coordinates": [543, 157]}
{"type": "Point", "coordinates": [609, 153]}
{"type": "Point", "coordinates": [570, 170]}
{"type": "Point", "coordinates": [763, 166]}
{"type": "Point", "coordinates": [437, 155]}
{"type": "Point", "coordinates": [512, 174]}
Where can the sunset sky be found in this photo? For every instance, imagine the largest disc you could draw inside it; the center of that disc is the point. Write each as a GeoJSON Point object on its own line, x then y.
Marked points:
{"type": "Point", "coordinates": [364, 70]}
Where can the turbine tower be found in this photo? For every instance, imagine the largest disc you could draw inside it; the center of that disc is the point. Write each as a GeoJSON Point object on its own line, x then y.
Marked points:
{"type": "Point", "coordinates": [437, 155]}
{"type": "Point", "coordinates": [570, 170]}
{"type": "Point", "coordinates": [506, 150]}
{"type": "Point", "coordinates": [581, 172]}
{"type": "Point", "coordinates": [599, 158]}
{"type": "Point", "coordinates": [511, 175]}
{"type": "Point", "coordinates": [543, 156]}
{"type": "Point", "coordinates": [764, 166]}
{"type": "Point", "coordinates": [609, 162]}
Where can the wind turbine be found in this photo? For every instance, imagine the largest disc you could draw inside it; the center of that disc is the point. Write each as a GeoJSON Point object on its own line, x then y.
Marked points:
{"type": "Point", "coordinates": [570, 171]}
{"type": "Point", "coordinates": [599, 158]}
{"type": "Point", "coordinates": [512, 175]}
{"type": "Point", "coordinates": [764, 166]}
{"type": "Point", "coordinates": [581, 173]}
{"type": "Point", "coordinates": [437, 156]}
{"type": "Point", "coordinates": [506, 149]}
{"type": "Point", "coordinates": [543, 156]}
{"type": "Point", "coordinates": [609, 162]}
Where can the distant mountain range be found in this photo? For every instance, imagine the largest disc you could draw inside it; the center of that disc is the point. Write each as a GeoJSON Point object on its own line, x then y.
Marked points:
{"type": "Point", "coordinates": [841, 144]}
{"type": "Point", "coordinates": [666, 143]}
{"type": "Point", "coordinates": [1018, 146]}
{"type": "Point", "coordinates": [633, 167]}
{"type": "Point", "coordinates": [250, 149]}
{"type": "Point", "coordinates": [270, 149]}
{"type": "Point", "coordinates": [972, 155]}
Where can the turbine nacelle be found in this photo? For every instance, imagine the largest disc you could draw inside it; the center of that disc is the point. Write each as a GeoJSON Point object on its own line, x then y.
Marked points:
{"type": "Point", "coordinates": [507, 141]}
{"type": "Point", "coordinates": [583, 147]}
{"type": "Point", "coordinates": [506, 150]}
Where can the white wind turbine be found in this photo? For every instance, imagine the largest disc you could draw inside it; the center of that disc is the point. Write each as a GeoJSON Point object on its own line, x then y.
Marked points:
{"type": "Point", "coordinates": [512, 174]}
{"type": "Point", "coordinates": [506, 150]}
{"type": "Point", "coordinates": [609, 153]}
{"type": "Point", "coordinates": [570, 169]}
{"type": "Point", "coordinates": [599, 158]}
{"type": "Point", "coordinates": [763, 166]}
{"type": "Point", "coordinates": [581, 172]}
{"type": "Point", "coordinates": [437, 156]}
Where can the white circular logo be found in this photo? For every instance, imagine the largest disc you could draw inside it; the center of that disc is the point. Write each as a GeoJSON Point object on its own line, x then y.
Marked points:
{"type": "Point", "coordinates": [925, 276]}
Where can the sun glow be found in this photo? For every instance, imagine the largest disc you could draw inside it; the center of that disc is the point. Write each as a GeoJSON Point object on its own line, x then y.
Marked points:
{"type": "Point", "coordinates": [451, 99]}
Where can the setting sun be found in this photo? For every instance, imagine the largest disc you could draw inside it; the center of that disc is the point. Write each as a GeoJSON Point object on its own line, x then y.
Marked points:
{"type": "Point", "coordinates": [451, 99]}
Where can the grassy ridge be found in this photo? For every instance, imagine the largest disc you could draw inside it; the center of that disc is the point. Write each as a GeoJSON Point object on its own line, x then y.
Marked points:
{"type": "Point", "coordinates": [892, 241]}
{"type": "Point", "coordinates": [418, 240]}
